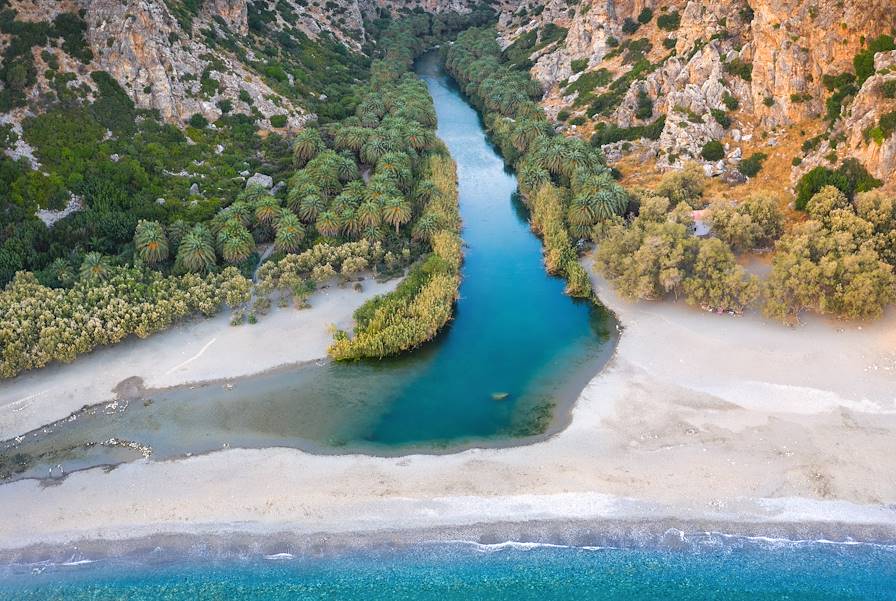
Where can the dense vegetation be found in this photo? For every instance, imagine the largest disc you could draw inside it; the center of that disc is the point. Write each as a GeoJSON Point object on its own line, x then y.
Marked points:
{"type": "Point", "coordinates": [564, 181]}
{"type": "Point", "coordinates": [165, 211]}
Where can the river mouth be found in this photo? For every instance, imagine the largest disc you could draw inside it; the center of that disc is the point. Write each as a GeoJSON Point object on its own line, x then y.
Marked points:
{"type": "Point", "coordinates": [505, 372]}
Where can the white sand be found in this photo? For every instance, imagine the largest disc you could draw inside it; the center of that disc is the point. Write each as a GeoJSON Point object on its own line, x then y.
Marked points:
{"type": "Point", "coordinates": [697, 416]}
{"type": "Point", "coordinates": [199, 350]}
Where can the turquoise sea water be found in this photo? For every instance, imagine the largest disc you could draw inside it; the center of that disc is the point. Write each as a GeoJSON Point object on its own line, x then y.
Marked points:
{"type": "Point", "coordinates": [713, 568]}
{"type": "Point", "coordinates": [514, 333]}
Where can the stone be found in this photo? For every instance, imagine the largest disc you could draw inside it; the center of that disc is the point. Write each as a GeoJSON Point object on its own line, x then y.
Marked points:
{"type": "Point", "coordinates": [194, 189]}
{"type": "Point", "coordinates": [278, 187]}
{"type": "Point", "coordinates": [260, 179]}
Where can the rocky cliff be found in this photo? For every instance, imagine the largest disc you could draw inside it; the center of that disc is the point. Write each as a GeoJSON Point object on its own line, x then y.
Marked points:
{"type": "Point", "coordinates": [745, 72]}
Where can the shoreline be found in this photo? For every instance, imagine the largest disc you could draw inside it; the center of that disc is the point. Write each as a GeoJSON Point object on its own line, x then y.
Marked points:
{"type": "Point", "coordinates": [195, 352]}
{"type": "Point", "coordinates": [697, 418]}
{"type": "Point", "coordinates": [571, 533]}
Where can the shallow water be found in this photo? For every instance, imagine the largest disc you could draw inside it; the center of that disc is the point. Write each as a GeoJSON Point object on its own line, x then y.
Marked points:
{"type": "Point", "coordinates": [708, 567]}
{"type": "Point", "coordinates": [514, 335]}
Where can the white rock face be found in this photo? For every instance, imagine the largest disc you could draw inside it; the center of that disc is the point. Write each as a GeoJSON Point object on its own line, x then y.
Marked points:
{"type": "Point", "coordinates": [260, 179]}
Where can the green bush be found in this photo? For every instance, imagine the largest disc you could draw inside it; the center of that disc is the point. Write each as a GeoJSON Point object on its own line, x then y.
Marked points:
{"type": "Point", "coordinates": [645, 16]}
{"type": "Point", "coordinates": [713, 151]}
{"type": "Point", "coordinates": [740, 68]}
{"type": "Point", "coordinates": [730, 102]}
{"type": "Point", "coordinates": [278, 120]}
{"type": "Point", "coordinates": [198, 121]}
{"type": "Point", "coordinates": [864, 61]}
{"type": "Point", "coordinates": [629, 26]}
{"type": "Point", "coordinates": [888, 89]}
{"type": "Point", "coordinates": [850, 178]}
{"type": "Point", "coordinates": [721, 117]}
{"type": "Point", "coordinates": [579, 65]}
{"type": "Point", "coordinates": [669, 21]}
{"type": "Point", "coordinates": [752, 165]}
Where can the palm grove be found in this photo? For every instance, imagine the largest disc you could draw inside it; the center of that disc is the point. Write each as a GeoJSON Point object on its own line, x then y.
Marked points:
{"type": "Point", "coordinates": [373, 191]}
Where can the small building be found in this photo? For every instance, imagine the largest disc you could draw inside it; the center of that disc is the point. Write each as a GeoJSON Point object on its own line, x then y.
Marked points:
{"type": "Point", "coordinates": [701, 228]}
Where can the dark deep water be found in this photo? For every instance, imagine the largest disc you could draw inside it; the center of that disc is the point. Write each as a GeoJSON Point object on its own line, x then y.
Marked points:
{"type": "Point", "coordinates": [515, 336]}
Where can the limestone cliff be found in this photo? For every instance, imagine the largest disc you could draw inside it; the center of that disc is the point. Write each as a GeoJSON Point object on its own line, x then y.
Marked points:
{"type": "Point", "coordinates": [745, 72]}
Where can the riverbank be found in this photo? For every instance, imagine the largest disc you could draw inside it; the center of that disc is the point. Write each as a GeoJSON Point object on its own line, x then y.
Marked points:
{"type": "Point", "coordinates": [196, 351]}
{"type": "Point", "coordinates": [697, 417]}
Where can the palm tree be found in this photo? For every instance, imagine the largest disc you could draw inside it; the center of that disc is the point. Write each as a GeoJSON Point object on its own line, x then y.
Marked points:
{"type": "Point", "coordinates": [236, 242]}
{"type": "Point", "coordinates": [150, 242]}
{"type": "Point", "coordinates": [351, 138]}
{"type": "Point", "coordinates": [379, 188]}
{"type": "Point", "coordinates": [266, 210]}
{"type": "Point", "coordinates": [350, 223]}
{"type": "Point", "coordinates": [426, 226]}
{"type": "Point", "coordinates": [581, 211]}
{"type": "Point", "coordinates": [310, 207]}
{"type": "Point", "coordinates": [346, 168]}
{"type": "Point", "coordinates": [253, 194]}
{"type": "Point", "coordinates": [94, 267]}
{"type": "Point", "coordinates": [176, 232]}
{"type": "Point", "coordinates": [527, 131]}
{"type": "Point", "coordinates": [327, 223]}
{"type": "Point", "coordinates": [289, 234]}
{"type": "Point", "coordinates": [369, 213]}
{"type": "Point", "coordinates": [424, 191]}
{"type": "Point", "coordinates": [196, 252]}
{"type": "Point", "coordinates": [306, 146]}
{"type": "Point", "coordinates": [373, 233]}
{"type": "Point", "coordinates": [417, 136]}
{"type": "Point", "coordinates": [397, 166]}
{"type": "Point", "coordinates": [396, 211]}
{"type": "Point", "coordinates": [62, 271]}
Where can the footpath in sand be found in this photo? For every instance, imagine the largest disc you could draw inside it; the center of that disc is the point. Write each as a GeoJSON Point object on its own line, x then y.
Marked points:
{"type": "Point", "coordinates": [697, 417]}
{"type": "Point", "coordinates": [196, 351]}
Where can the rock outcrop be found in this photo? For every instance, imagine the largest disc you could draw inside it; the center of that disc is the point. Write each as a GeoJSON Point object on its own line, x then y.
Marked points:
{"type": "Point", "coordinates": [143, 46]}
{"type": "Point", "coordinates": [760, 66]}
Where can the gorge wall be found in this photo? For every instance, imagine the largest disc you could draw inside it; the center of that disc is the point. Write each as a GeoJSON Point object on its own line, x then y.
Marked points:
{"type": "Point", "coordinates": [763, 67]}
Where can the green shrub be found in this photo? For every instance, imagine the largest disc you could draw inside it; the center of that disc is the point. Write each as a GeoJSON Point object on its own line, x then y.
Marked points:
{"type": "Point", "coordinates": [721, 117]}
{"type": "Point", "coordinates": [578, 120]}
{"type": "Point", "coordinates": [608, 134]}
{"type": "Point", "coordinates": [563, 115]}
{"type": "Point", "coordinates": [644, 108]}
{"type": "Point", "coordinates": [740, 68]}
{"type": "Point", "coordinates": [669, 43]}
{"type": "Point", "coordinates": [579, 65]}
{"type": "Point", "coordinates": [752, 165]}
{"type": "Point", "coordinates": [713, 151]}
{"type": "Point", "coordinates": [850, 178]}
{"type": "Point", "coordinates": [198, 121]}
{"type": "Point", "coordinates": [730, 102]}
{"type": "Point", "coordinates": [888, 89]}
{"type": "Point", "coordinates": [864, 61]}
{"type": "Point", "coordinates": [629, 26]}
{"type": "Point", "coordinates": [645, 16]}
{"type": "Point", "coordinates": [278, 120]}
{"type": "Point", "coordinates": [669, 21]}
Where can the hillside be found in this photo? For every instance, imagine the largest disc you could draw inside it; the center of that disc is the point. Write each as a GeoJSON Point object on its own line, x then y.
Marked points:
{"type": "Point", "coordinates": [659, 80]}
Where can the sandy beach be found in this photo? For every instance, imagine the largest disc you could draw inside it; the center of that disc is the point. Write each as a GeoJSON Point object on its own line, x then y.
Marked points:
{"type": "Point", "coordinates": [697, 417]}
{"type": "Point", "coordinates": [196, 351]}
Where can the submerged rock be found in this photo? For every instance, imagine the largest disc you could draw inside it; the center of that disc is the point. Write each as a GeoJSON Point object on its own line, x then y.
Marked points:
{"type": "Point", "coordinates": [500, 396]}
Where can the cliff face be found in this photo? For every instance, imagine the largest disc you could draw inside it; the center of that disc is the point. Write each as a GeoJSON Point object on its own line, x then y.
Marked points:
{"type": "Point", "coordinates": [759, 65]}
{"type": "Point", "coordinates": [144, 47]}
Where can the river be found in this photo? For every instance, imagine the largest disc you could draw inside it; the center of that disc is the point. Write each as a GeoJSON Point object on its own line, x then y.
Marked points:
{"type": "Point", "coordinates": [505, 370]}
